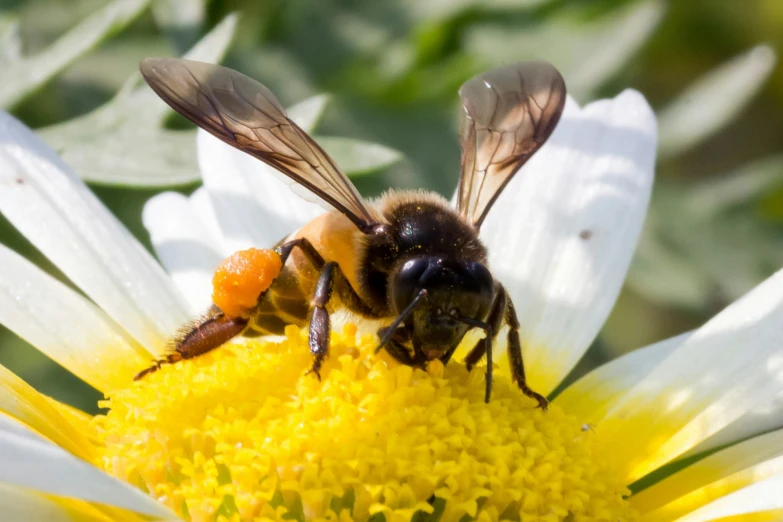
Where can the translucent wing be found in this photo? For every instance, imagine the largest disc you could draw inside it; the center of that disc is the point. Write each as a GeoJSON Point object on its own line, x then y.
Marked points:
{"type": "Point", "coordinates": [508, 113]}
{"type": "Point", "coordinates": [246, 115]}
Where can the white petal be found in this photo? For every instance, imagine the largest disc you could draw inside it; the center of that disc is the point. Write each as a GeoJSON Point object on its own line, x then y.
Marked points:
{"type": "Point", "coordinates": [253, 206]}
{"type": "Point", "coordinates": [592, 396]}
{"type": "Point", "coordinates": [29, 461]}
{"type": "Point", "coordinates": [21, 505]}
{"type": "Point", "coordinates": [715, 476]}
{"type": "Point", "coordinates": [65, 326]}
{"type": "Point", "coordinates": [203, 207]}
{"type": "Point", "coordinates": [19, 401]}
{"type": "Point", "coordinates": [759, 497]}
{"type": "Point", "coordinates": [765, 417]}
{"type": "Point", "coordinates": [184, 246]}
{"type": "Point", "coordinates": [54, 210]}
{"type": "Point", "coordinates": [562, 234]}
{"type": "Point", "coordinates": [74, 416]}
{"type": "Point", "coordinates": [724, 369]}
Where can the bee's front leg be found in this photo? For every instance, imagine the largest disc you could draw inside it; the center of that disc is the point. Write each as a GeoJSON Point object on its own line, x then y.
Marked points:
{"type": "Point", "coordinates": [484, 346]}
{"type": "Point", "coordinates": [503, 309]}
{"type": "Point", "coordinates": [396, 345]}
{"type": "Point", "coordinates": [515, 356]}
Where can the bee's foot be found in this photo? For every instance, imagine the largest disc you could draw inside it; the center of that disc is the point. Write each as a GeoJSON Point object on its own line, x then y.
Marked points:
{"type": "Point", "coordinates": [315, 371]}
{"type": "Point", "coordinates": [542, 402]}
{"type": "Point", "coordinates": [154, 368]}
{"type": "Point", "coordinates": [169, 359]}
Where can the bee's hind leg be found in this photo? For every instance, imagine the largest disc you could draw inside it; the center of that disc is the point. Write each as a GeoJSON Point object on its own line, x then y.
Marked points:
{"type": "Point", "coordinates": [200, 337]}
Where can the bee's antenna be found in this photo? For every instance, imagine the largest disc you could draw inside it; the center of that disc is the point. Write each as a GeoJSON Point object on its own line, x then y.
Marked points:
{"type": "Point", "coordinates": [400, 318]}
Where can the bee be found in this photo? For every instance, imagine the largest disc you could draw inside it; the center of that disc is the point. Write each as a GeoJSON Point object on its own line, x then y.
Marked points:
{"type": "Point", "coordinates": [408, 258]}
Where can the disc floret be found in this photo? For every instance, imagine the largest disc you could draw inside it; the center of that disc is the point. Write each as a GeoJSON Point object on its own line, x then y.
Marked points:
{"type": "Point", "coordinates": [242, 432]}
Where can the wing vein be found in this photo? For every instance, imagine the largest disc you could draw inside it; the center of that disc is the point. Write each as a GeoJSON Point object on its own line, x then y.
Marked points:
{"type": "Point", "coordinates": [501, 104]}
{"type": "Point", "coordinates": [247, 116]}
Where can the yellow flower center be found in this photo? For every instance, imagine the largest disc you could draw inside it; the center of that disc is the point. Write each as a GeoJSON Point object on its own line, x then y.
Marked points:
{"type": "Point", "coordinates": [243, 434]}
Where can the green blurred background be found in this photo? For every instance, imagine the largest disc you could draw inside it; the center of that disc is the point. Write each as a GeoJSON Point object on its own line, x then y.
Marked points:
{"type": "Point", "coordinates": [393, 67]}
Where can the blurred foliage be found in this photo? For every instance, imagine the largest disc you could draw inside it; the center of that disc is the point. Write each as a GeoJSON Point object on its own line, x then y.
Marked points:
{"type": "Point", "coordinates": [392, 68]}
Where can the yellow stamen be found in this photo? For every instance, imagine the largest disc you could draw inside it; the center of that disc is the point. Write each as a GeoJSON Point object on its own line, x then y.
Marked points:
{"type": "Point", "coordinates": [242, 433]}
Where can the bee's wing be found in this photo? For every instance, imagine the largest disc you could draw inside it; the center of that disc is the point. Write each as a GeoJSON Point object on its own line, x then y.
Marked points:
{"type": "Point", "coordinates": [508, 113]}
{"type": "Point", "coordinates": [246, 115]}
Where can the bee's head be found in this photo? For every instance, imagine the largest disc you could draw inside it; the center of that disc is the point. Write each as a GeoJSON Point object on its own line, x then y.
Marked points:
{"type": "Point", "coordinates": [454, 290]}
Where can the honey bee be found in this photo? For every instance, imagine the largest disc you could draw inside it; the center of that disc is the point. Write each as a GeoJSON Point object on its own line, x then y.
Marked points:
{"type": "Point", "coordinates": [409, 258]}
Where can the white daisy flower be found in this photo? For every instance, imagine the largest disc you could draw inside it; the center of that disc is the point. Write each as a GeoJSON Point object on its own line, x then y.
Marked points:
{"type": "Point", "coordinates": [242, 434]}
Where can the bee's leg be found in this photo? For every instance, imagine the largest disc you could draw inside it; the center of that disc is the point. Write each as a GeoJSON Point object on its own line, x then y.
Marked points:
{"type": "Point", "coordinates": [344, 289]}
{"type": "Point", "coordinates": [201, 337]}
{"type": "Point", "coordinates": [515, 356]}
{"type": "Point", "coordinates": [484, 346]}
{"type": "Point", "coordinates": [309, 250]}
{"type": "Point", "coordinates": [320, 325]}
{"type": "Point", "coordinates": [331, 279]}
{"type": "Point", "coordinates": [447, 356]}
{"type": "Point", "coordinates": [397, 332]}
{"type": "Point", "coordinates": [396, 345]}
{"type": "Point", "coordinates": [216, 328]}
{"type": "Point", "coordinates": [401, 354]}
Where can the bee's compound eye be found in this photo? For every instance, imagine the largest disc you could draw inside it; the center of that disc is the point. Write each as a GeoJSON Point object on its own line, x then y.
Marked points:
{"type": "Point", "coordinates": [454, 312]}
{"type": "Point", "coordinates": [241, 277]}
{"type": "Point", "coordinates": [438, 311]}
{"type": "Point", "coordinates": [408, 282]}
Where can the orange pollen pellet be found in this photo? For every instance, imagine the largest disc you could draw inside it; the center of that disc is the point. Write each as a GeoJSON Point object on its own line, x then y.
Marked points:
{"type": "Point", "coordinates": [241, 277]}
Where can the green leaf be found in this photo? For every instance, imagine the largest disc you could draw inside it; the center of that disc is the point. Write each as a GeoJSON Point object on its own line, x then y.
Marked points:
{"type": "Point", "coordinates": [724, 194]}
{"type": "Point", "coordinates": [436, 11]}
{"type": "Point", "coordinates": [124, 142]}
{"type": "Point", "coordinates": [713, 101]}
{"type": "Point", "coordinates": [706, 243]}
{"type": "Point", "coordinates": [23, 75]}
{"type": "Point", "coordinates": [587, 52]}
{"type": "Point", "coordinates": [144, 106]}
{"type": "Point", "coordinates": [356, 157]}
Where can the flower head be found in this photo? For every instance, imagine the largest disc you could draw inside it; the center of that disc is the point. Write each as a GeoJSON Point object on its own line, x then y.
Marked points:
{"type": "Point", "coordinates": [242, 433]}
